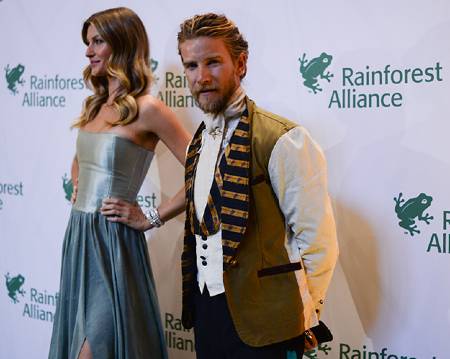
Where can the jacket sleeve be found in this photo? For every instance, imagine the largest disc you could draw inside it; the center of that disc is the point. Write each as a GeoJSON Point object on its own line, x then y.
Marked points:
{"type": "Point", "coordinates": [297, 170]}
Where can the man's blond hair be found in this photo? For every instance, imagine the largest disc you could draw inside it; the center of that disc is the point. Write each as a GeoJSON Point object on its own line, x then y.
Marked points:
{"type": "Point", "coordinates": [215, 26]}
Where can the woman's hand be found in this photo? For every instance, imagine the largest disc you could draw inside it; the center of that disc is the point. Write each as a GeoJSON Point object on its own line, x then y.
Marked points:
{"type": "Point", "coordinates": [117, 210]}
{"type": "Point", "coordinates": [73, 198]}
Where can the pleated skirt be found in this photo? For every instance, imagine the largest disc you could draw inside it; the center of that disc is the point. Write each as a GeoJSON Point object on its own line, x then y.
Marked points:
{"type": "Point", "coordinates": [107, 294]}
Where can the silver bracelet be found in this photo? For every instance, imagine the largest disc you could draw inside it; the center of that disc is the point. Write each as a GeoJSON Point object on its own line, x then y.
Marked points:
{"type": "Point", "coordinates": [153, 217]}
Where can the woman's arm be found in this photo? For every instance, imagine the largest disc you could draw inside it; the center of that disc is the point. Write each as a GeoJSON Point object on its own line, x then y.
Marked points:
{"type": "Point", "coordinates": [156, 118]}
{"type": "Point", "coordinates": [161, 120]}
{"type": "Point", "coordinates": [118, 210]}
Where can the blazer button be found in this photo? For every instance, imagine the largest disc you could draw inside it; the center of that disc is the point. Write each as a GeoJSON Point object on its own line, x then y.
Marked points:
{"type": "Point", "coordinates": [233, 262]}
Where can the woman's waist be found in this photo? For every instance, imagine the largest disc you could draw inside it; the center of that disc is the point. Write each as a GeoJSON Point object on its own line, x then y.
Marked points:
{"type": "Point", "coordinates": [93, 187]}
{"type": "Point", "coordinates": [91, 201]}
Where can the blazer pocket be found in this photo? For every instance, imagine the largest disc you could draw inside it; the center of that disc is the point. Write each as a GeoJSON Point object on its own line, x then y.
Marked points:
{"type": "Point", "coordinates": [284, 268]}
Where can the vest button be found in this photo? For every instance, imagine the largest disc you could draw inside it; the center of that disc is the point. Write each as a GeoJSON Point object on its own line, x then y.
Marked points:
{"type": "Point", "coordinates": [233, 262]}
{"type": "Point", "coordinates": [204, 246]}
{"type": "Point", "coordinates": [204, 263]}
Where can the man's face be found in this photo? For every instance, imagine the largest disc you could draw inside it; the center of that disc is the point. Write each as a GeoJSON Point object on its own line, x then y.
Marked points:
{"type": "Point", "coordinates": [211, 73]}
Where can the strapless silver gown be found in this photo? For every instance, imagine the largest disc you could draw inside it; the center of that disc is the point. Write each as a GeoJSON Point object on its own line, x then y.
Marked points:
{"type": "Point", "coordinates": [107, 293]}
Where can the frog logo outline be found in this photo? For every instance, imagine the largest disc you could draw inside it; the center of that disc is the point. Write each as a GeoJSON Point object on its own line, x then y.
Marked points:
{"type": "Point", "coordinates": [408, 211]}
{"type": "Point", "coordinates": [13, 77]}
{"type": "Point", "coordinates": [14, 286]}
{"type": "Point", "coordinates": [67, 186]}
{"type": "Point", "coordinates": [315, 68]}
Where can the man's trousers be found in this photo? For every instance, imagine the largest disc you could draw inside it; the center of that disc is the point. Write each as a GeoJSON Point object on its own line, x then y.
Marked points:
{"type": "Point", "coordinates": [216, 336]}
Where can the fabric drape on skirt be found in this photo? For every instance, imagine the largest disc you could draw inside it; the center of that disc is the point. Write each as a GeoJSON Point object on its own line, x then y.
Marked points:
{"type": "Point", "coordinates": [107, 293]}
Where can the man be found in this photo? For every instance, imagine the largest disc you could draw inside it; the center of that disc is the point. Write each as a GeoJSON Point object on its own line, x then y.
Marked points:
{"type": "Point", "coordinates": [260, 243]}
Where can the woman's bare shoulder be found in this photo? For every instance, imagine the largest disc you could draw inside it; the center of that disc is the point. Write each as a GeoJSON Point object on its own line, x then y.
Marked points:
{"type": "Point", "coordinates": [153, 113]}
{"type": "Point", "coordinates": [150, 106]}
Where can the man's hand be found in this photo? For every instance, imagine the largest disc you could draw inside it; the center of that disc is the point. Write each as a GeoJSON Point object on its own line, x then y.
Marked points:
{"type": "Point", "coordinates": [310, 341]}
{"type": "Point", "coordinates": [117, 210]}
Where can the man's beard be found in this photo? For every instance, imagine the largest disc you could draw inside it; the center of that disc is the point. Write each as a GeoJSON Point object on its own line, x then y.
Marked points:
{"type": "Point", "coordinates": [219, 105]}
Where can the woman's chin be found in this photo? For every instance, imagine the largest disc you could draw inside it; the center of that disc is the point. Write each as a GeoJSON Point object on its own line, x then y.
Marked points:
{"type": "Point", "coordinates": [97, 72]}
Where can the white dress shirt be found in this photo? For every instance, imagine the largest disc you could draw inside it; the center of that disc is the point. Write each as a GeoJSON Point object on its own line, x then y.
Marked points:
{"type": "Point", "coordinates": [298, 174]}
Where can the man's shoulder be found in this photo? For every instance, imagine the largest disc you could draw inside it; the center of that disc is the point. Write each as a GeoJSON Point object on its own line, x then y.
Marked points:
{"type": "Point", "coordinates": [267, 129]}
{"type": "Point", "coordinates": [270, 122]}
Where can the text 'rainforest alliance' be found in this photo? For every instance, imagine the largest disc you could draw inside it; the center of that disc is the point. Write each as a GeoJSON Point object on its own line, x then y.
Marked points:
{"type": "Point", "coordinates": [350, 96]}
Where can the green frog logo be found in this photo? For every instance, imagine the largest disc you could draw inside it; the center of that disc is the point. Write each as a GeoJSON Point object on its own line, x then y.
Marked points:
{"type": "Point", "coordinates": [68, 186]}
{"type": "Point", "coordinates": [412, 209]}
{"type": "Point", "coordinates": [312, 354]}
{"type": "Point", "coordinates": [14, 286]}
{"type": "Point", "coordinates": [13, 77]}
{"type": "Point", "coordinates": [311, 70]}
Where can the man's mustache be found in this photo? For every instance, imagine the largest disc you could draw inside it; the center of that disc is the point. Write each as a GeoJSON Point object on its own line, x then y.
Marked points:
{"type": "Point", "coordinates": [204, 89]}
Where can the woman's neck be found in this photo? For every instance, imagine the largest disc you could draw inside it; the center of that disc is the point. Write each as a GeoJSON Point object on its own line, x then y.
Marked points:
{"type": "Point", "coordinates": [113, 87]}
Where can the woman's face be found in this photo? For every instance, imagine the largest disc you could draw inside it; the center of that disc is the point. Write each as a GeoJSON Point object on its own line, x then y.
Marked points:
{"type": "Point", "coordinates": [98, 52]}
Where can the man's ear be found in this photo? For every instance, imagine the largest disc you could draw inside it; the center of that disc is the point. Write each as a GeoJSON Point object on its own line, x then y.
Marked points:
{"type": "Point", "coordinates": [241, 65]}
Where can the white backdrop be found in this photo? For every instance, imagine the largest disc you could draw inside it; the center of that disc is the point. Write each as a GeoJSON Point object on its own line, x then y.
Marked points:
{"type": "Point", "coordinates": [382, 119]}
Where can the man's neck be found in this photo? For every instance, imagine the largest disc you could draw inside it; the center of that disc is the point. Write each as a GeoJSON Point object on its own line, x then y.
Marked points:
{"type": "Point", "coordinates": [234, 108]}
{"type": "Point", "coordinates": [235, 104]}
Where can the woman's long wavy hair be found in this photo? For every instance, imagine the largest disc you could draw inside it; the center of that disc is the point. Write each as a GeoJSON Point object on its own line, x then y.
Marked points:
{"type": "Point", "coordinates": [125, 33]}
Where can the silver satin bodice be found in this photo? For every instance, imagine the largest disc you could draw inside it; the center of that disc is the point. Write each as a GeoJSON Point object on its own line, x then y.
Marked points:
{"type": "Point", "coordinates": [109, 166]}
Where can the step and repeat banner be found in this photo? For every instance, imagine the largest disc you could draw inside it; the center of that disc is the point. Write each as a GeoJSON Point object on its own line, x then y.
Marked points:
{"type": "Point", "coordinates": [370, 81]}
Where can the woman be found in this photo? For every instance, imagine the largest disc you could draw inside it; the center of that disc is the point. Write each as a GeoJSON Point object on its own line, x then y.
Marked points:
{"type": "Point", "coordinates": [108, 305]}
